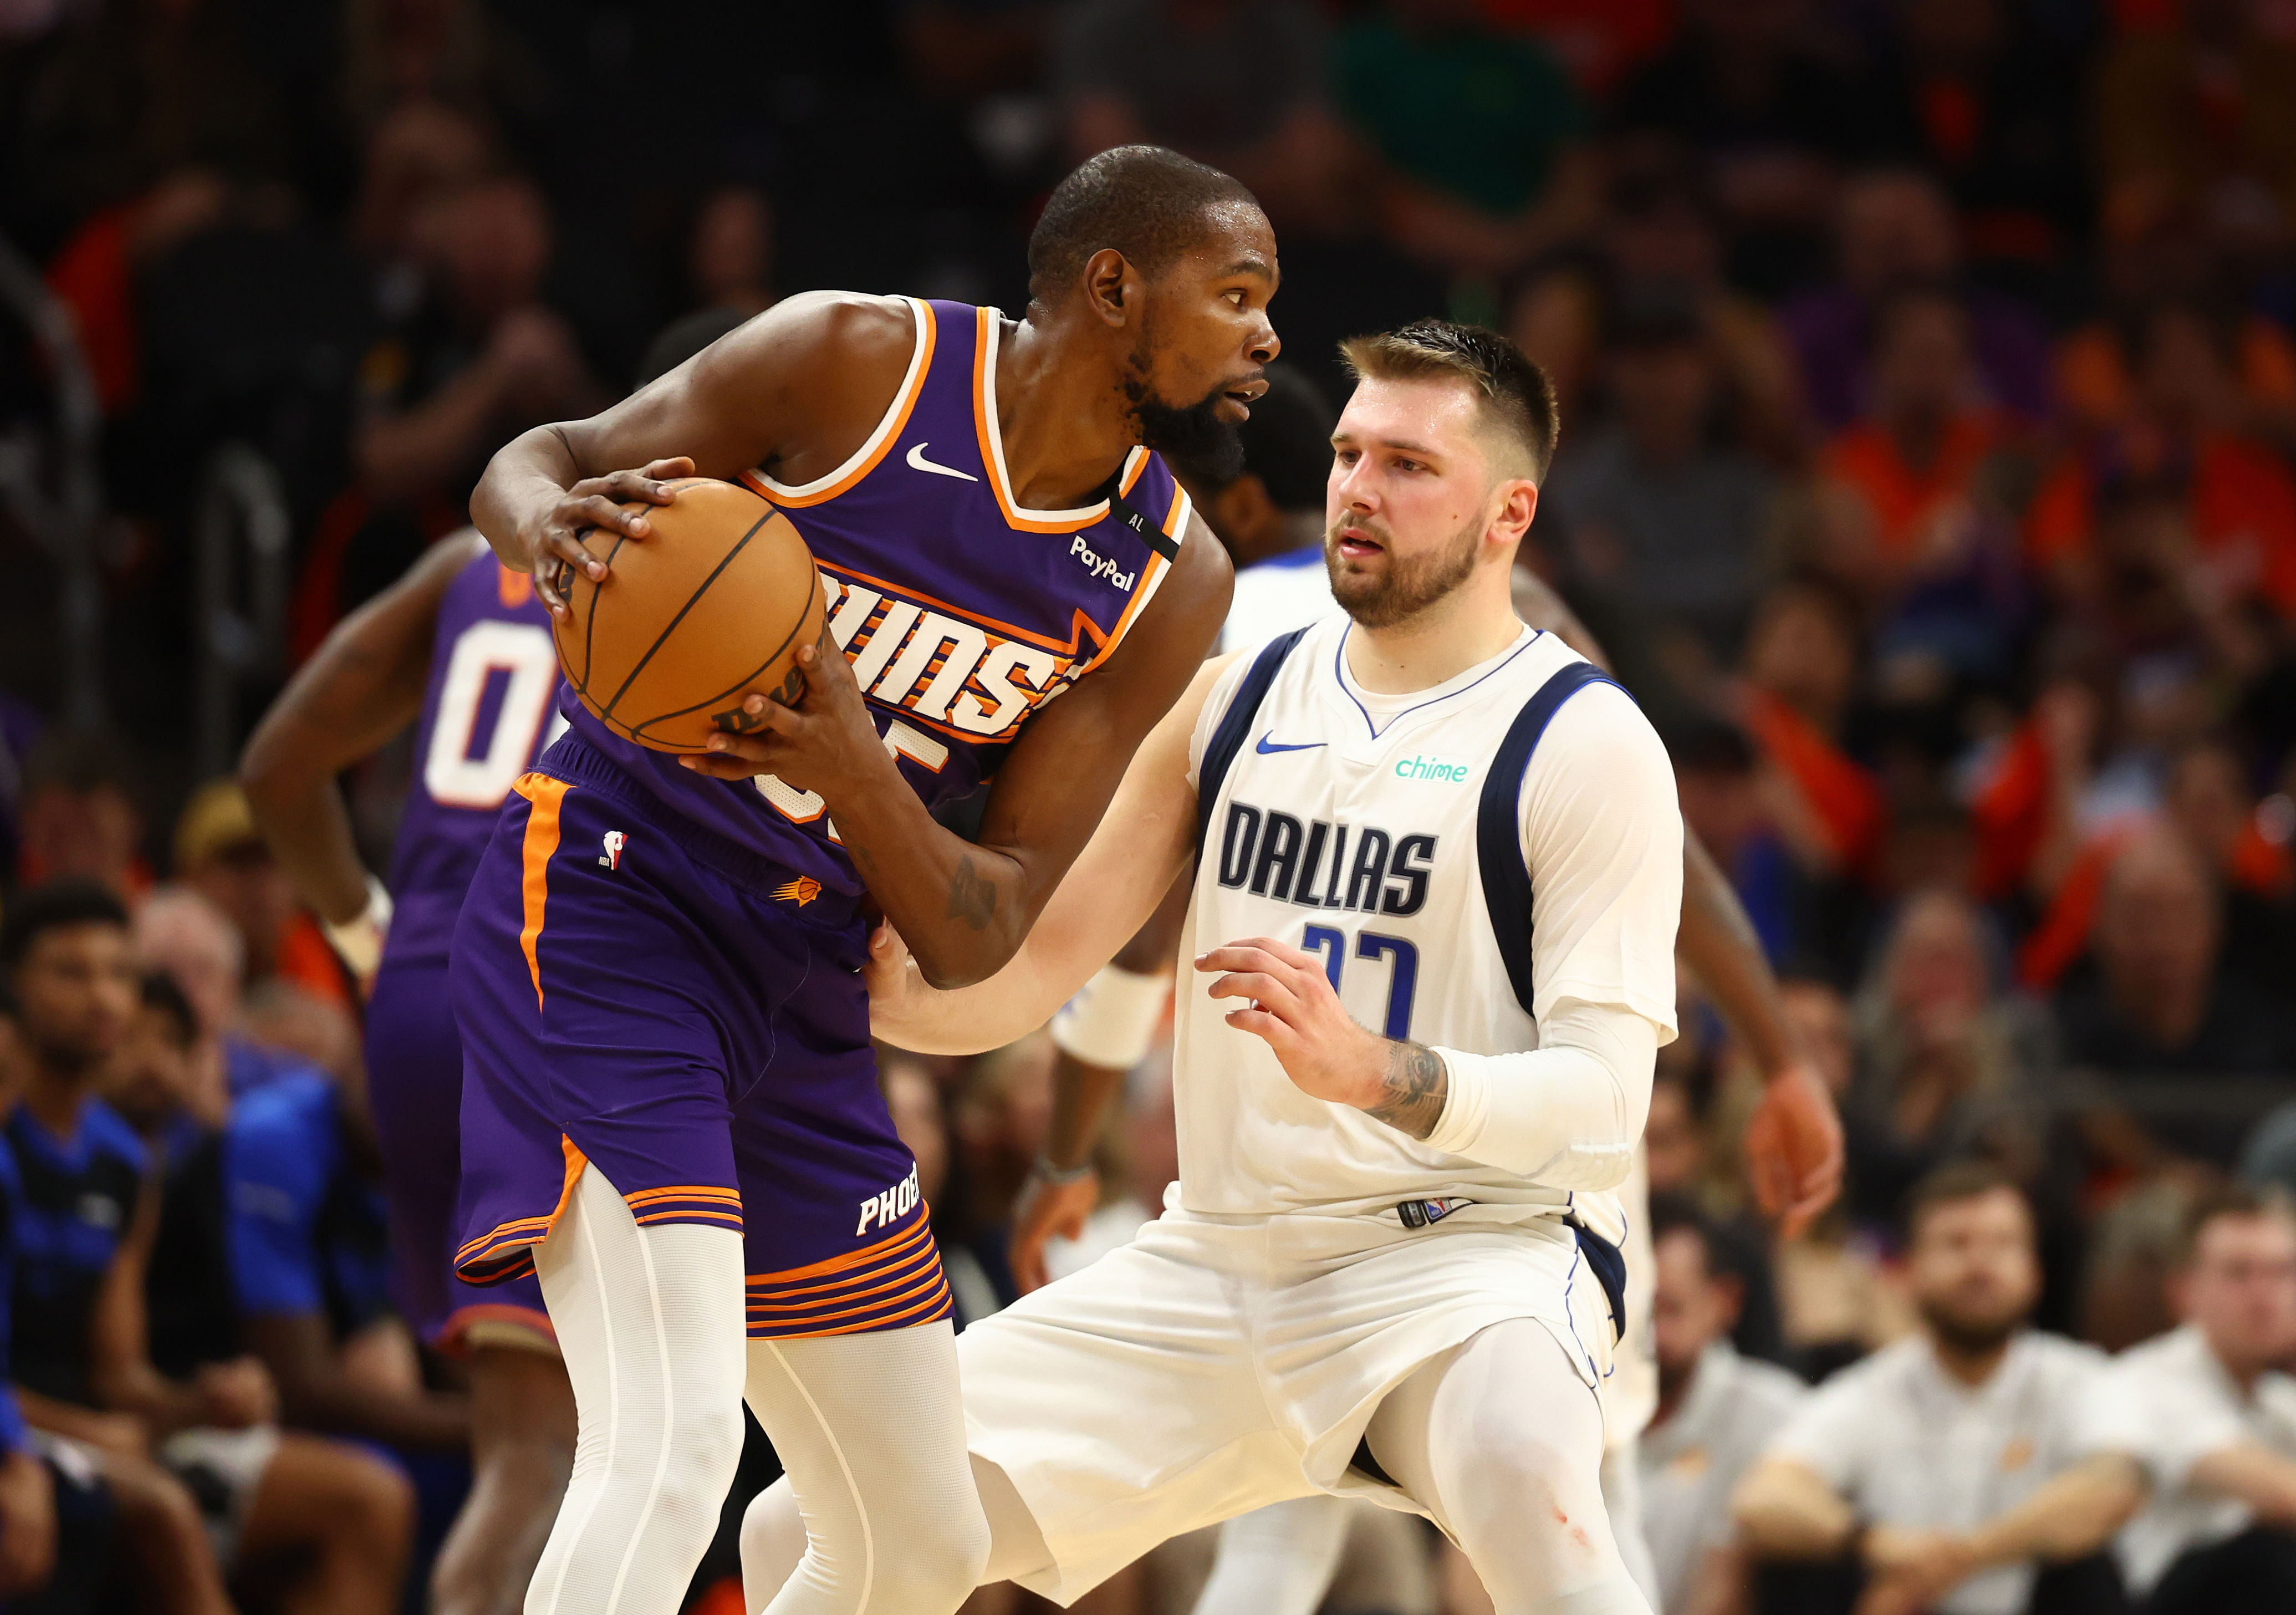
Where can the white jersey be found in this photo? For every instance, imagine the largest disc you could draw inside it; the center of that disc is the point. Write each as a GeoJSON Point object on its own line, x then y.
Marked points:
{"type": "Point", "coordinates": [1346, 823]}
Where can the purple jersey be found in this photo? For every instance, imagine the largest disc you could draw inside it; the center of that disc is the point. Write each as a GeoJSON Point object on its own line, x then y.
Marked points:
{"type": "Point", "coordinates": [486, 717]}
{"type": "Point", "coordinates": [961, 611]}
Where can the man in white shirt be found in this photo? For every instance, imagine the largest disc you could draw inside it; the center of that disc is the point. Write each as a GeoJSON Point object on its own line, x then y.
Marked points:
{"type": "Point", "coordinates": [2219, 1410]}
{"type": "Point", "coordinates": [1716, 1413]}
{"type": "Point", "coordinates": [1957, 1464]}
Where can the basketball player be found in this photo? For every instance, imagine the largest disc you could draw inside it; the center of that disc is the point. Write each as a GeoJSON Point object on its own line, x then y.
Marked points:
{"type": "Point", "coordinates": [1389, 1267]}
{"type": "Point", "coordinates": [670, 1109]}
{"type": "Point", "coordinates": [461, 647]}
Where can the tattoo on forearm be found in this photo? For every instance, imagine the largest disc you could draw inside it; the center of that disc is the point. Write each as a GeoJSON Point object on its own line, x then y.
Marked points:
{"type": "Point", "coordinates": [972, 896]}
{"type": "Point", "coordinates": [1413, 1089]}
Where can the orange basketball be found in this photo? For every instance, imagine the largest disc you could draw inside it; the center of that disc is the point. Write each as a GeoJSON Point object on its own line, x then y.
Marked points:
{"type": "Point", "coordinates": [709, 607]}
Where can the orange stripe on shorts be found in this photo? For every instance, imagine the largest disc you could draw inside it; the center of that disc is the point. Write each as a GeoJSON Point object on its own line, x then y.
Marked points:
{"type": "Point", "coordinates": [541, 845]}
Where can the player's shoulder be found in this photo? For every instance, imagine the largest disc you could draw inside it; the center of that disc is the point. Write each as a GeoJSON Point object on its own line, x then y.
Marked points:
{"type": "Point", "coordinates": [853, 325]}
{"type": "Point", "coordinates": [1597, 725]}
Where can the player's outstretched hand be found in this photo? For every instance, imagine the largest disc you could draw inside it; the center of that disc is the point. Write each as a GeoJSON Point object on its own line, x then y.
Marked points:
{"type": "Point", "coordinates": [1793, 1148]}
{"type": "Point", "coordinates": [1292, 1004]}
{"type": "Point", "coordinates": [1044, 1210]}
{"type": "Point", "coordinates": [595, 505]}
{"type": "Point", "coordinates": [827, 743]}
{"type": "Point", "coordinates": [893, 981]}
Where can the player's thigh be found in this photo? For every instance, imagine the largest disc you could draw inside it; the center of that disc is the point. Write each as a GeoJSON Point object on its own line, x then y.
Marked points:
{"type": "Point", "coordinates": [1501, 1440]}
{"type": "Point", "coordinates": [1123, 1405]}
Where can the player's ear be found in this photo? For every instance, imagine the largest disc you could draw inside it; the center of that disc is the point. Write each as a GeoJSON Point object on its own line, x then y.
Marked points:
{"type": "Point", "coordinates": [1111, 286]}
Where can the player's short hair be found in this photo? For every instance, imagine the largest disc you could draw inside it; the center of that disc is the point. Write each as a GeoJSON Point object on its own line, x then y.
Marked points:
{"type": "Point", "coordinates": [1146, 202]}
{"type": "Point", "coordinates": [1287, 444]}
{"type": "Point", "coordinates": [1516, 396]}
{"type": "Point", "coordinates": [54, 906]}
{"type": "Point", "coordinates": [1953, 1183]}
{"type": "Point", "coordinates": [2227, 1201]}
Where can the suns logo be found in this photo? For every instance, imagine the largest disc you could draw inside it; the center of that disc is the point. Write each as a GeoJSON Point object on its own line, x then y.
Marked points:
{"type": "Point", "coordinates": [801, 892]}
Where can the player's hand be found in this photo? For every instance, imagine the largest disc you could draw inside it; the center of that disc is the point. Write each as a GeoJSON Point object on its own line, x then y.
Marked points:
{"type": "Point", "coordinates": [28, 1524]}
{"type": "Point", "coordinates": [827, 743]}
{"type": "Point", "coordinates": [237, 1394]}
{"type": "Point", "coordinates": [593, 505]}
{"type": "Point", "coordinates": [1043, 1210]}
{"type": "Point", "coordinates": [1291, 1005]}
{"type": "Point", "coordinates": [894, 984]}
{"type": "Point", "coordinates": [1793, 1148]}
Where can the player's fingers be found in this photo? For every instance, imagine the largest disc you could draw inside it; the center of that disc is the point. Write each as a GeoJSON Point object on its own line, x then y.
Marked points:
{"type": "Point", "coordinates": [671, 470]}
{"type": "Point", "coordinates": [1271, 993]}
{"type": "Point", "coordinates": [603, 512]}
{"type": "Point", "coordinates": [1296, 957]}
{"type": "Point", "coordinates": [1260, 1024]}
{"type": "Point", "coordinates": [1245, 956]}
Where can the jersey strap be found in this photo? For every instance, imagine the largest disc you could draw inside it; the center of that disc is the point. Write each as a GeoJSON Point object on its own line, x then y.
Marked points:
{"type": "Point", "coordinates": [1235, 727]}
{"type": "Point", "coordinates": [1498, 837]}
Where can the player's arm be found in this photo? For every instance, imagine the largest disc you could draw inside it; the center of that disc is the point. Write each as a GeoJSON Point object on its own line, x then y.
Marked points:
{"type": "Point", "coordinates": [1147, 835]}
{"type": "Point", "coordinates": [363, 685]}
{"type": "Point", "coordinates": [962, 907]}
{"type": "Point", "coordinates": [2254, 1474]}
{"type": "Point", "coordinates": [795, 390]}
{"type": "Point", "coordinates": [1793, 1142]}
{"type": "Point", "coordinates": [1602, 839]}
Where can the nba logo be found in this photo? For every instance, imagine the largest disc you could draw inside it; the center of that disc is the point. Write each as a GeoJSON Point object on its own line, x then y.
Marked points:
{"type": "Point", "coordinates": [613, 856]}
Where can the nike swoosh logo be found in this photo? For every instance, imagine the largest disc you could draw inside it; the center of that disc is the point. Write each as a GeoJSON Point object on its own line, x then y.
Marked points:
{"type": "Point", "coordinates": [1264, 749]}
{"type": "Point", "coordinates": [917, 460]}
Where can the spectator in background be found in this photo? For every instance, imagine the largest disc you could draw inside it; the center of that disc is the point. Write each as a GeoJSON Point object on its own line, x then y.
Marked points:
{"type": "Point", "coordinates": [81, 1352]}
{"type": "Point", "coordinates": [730, 256]}
{"type": "Point", "coordinates": [2185, 439]}
{"type": "Point", "coordinates": [222, 856]}
{"type": "Point", "coordinates": [1479, 132]}
{"type": "Point", "coordinates": [2218, 1411]}
{"type": "Point", "coordinates": [1909, 477]}
{"type": "Point", "coordinates": [1962, 1465]}
{"type": "Point", "coordinates": [2156, 1002]}
{"type": "Point", "coordinates": [1947, 1066]}
{"type": "Point", "coordinates": [1715, 1412]}
{"type": "Point", "coordinates": [1801, 672]}
{"type": "Point", "coordinates": [1750, 90]}
{"type": "Point", "coordinates": [1895, 228]}
{"type": "Point", "coordinates": [1240, 86]}
{"type": "Point", "coordinates": [80, 819]}
{"type": "Point", "coordinates": [1660, 519]}
{"type": "Point", "coordinates": [1973, 94]}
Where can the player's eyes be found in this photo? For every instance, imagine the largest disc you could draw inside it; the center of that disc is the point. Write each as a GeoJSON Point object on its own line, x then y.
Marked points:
{"type": "Point", "coordinates": [1234, 298]}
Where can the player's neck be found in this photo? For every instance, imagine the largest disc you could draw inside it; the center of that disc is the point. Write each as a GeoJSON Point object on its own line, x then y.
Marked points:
{"type": "Point", "coordinates": [1066, 428]}
{"type": "Point", "coordinates": [1468, 626]}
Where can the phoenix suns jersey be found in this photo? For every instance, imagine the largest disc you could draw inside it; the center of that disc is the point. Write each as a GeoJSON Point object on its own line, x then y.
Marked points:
{"type": "Point", "coordinates": [486, 715]}
{"type": "Point", "coordinates": [962, 612]}
{"type": "Point", "coordinates": [1462, 858]}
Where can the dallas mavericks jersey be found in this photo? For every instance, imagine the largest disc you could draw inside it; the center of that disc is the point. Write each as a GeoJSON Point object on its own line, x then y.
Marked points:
{"type": "Point", "coordinates": [961, 611]}
{"type": "Point", "coordinates": [1387, 834]}
{"type": "Point", "coordinates": [486, 715]}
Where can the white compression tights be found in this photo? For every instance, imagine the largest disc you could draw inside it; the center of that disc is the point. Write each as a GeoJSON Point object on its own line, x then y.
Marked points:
{"type": "Point", "coordinates": [650, 1321]}
{"type": "Point", "coordinates": [879, 1515]}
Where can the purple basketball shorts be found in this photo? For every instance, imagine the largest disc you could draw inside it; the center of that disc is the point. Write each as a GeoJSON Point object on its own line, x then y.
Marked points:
{"type": "Point", "coordinates": [640, 998]}
{"type": "Point", "coordinates": [414, 1079]}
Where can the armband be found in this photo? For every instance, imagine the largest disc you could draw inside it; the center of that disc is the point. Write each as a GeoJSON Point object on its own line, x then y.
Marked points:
{"type": "Point", "coordinates": [1113, 1020]}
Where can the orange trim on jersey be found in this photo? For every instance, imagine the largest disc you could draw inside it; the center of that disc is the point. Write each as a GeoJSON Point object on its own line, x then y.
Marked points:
{"type": "Point", "coordinates": [1134, 463]}
{"type": "Point", "coordinates": [1149, 576]}
{"type": "Point", "coordinates": [984, 423]}
{"type": "Point", "coordinates": [898, 412]}
{"type": "Point", "coordinates": [1078, 627]}
{"type": "Point", "coordinates": [919, 1228]}
{"type": "Point", "coordinates": [797, 1298]}
{"type": "Point", "coordinates": [915, 1284]}
{"type": "Point", "coordinates": [541, 846]}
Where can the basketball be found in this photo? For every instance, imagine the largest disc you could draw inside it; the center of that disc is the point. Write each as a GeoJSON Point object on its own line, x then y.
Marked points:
{"type": "Point", "coordinates": [709, 608]}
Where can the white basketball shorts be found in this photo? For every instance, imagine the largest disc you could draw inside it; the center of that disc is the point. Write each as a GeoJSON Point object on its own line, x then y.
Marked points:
{"type": "Point", "coordinates": [1219, 1364]}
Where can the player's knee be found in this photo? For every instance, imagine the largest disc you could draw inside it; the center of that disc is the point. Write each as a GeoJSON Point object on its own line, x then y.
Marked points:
{"type": "Point", "coordinates": [772, 1541]}
{"type": "Point", "coordinates": [935, 1564]}
{"type": "Point", "coordinates": [705, 1446]}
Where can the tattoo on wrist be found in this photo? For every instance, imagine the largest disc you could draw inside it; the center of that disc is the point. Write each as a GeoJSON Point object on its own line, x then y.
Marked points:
{"type": "Point", "coordinates": [1412, 1090]}
{"type": "Point", "coordinates": [972, 896]}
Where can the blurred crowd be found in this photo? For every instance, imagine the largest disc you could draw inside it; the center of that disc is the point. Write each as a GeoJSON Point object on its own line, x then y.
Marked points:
{"type": "Point", "coordinates": [1928, 470]}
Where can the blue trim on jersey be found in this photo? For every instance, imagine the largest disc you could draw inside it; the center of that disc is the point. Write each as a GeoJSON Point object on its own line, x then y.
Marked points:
{"type": "Point", "coordinates": [1236, 728]}
{"type": "Point", "coordinates": [1536, 634]}
{"type": "Point", "coordinates": [1498, 840]}
{"type": "Point", "coordinates": [1608, 1265]}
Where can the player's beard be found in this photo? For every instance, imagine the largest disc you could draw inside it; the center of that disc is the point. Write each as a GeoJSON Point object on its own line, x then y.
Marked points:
{"type": "Point", "coordinates": [1191, 436]}
{"type": "Point", "coordinates": [1409, 584]}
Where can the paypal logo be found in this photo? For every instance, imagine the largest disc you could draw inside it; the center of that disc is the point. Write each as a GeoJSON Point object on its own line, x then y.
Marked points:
{"type": "Point", "coordinates": [1100, 566]}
